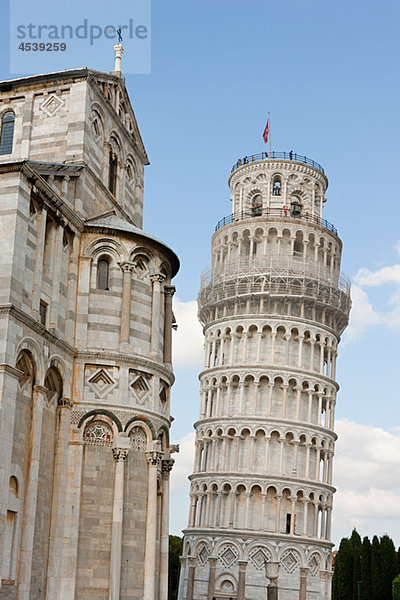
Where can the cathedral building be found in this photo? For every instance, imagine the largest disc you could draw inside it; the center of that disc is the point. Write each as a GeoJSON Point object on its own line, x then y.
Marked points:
{"type": "Point", "coordinates": [85, 342]}
{"type": "Point", "coordinates": [273, 307]}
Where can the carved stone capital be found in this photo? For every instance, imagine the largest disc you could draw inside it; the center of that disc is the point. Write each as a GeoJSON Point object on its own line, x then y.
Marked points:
{"type": "Point", "coordinates": [154, 457]}
{"type": "Point", "coordinates": [157, 278]}
{"type": "Point", "coordinates": [169, 290]}
{"type": "Point", "coordinates": [120, 454]}
{"type": "Point", "coordinates": [126, 267]}
{"type": "Point", "coordinates": [166, 466]}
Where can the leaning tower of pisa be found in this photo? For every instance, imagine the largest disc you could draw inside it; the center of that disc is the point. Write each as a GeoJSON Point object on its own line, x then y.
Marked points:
{"type": "Point", "coordinates": [273, 307]}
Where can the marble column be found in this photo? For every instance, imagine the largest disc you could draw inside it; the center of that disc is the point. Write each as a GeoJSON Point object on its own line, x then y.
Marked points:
{"type": "Point", "coordinates": [303, 583]}
{"type": "Point", "coordinates": [190, 582]}
{"type": "Point", "coordinates": [58, 501]}
{"type": "Point", "coordinates": [29, 516]}
{"type": "Point", "coordinates": [153, 458]}
{"type": "Point", "coordinates": [242, 580]}
{"type": "Point", "coordinates": [38, 264]}
{"type": "Point", "coordinates": [211, 578]}
{"type": "Point", "coordinates": [156, 279]}
{"type": "Point", "coordinates": [119, 455]}
{"type": "Point", "coordinates": [167, 465]}
{"type": "Point", "coordinates": [71, 518]}
{"type": "Point", "coordinates": [127, 270]}
{"type": "Point", "coordinates": [272, 572]}
{"type": "Point", "coordinates": [56, 275]}
{"type": "Point", "coordinates": [169, 291]}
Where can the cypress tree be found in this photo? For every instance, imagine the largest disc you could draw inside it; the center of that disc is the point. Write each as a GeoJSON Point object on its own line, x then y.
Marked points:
{"type": "Point", "coordinates": [389, 567]}
{"type": "Point", "coordinates": [396, 588]}
{"type": "Point", "coordinates": [344, 570]}
{"type": "Point", "coordinates": [376, 574]}
{"type": "Point", "coordinates": [174, 566]}
{"type": "Point", "coordinates": [355, 541]}
{"type": "Point", "coordinates": [366, 568]}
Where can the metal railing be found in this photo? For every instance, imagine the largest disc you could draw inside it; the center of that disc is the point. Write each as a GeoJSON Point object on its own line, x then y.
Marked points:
{"type": "Point", "coordinates": [277, 156]}
{"type": "Point", "coordinates": [279, 213]}
{"type": "Point", "coordinates": [275, 267]}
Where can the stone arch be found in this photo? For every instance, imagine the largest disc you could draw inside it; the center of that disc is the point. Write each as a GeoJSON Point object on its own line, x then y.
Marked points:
{"type": "Point", "coordinates": [104, 412]}
{"type": "Point", "coordinates": [106, 245]}
{"type": "Point", "coordinates": [143, 420]}
{"type": "Point", "coordinates": [34, 351]}
{"type": "Point", "coordinates": [56, 362]}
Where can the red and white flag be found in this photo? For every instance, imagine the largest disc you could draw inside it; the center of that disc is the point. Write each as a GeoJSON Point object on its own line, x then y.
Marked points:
{"type": "Point", "coordinates": [266, 132]}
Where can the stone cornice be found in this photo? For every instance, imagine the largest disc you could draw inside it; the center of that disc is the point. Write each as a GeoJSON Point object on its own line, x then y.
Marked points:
{"type": "Point", "coordinates": [265, 368]}
{"type": "Point", "coordinates": [248, 534]}
{"type": "Point", "coordinates": [129, 360]}
{"type": "Point", "coordinates": [241, 420]}
{"type": "Point", "coordinates": [266, 319]}
{"type": "Point", "coordinates": [253, 478]}
{"type": "Point", "coordinates": [10, 370]}
{"type": "Point", "coordinates": [23, 317]}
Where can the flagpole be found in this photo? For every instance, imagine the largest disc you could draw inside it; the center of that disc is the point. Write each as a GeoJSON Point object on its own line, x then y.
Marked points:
{"type": "Point", "coordinates": [269, 120]}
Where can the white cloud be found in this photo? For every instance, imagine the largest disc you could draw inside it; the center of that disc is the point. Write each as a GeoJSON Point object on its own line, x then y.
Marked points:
{"type": "Point", "coordinates": [362, 315]}
{"type": "Point", "coordinates": [188, 339]}
{"type": "Point", "coordinates": [377, 278]}
{"type": "Point", "coordinates": [183, 467]}
{"type": "Point", "coordinates": [367, 476]}
{"type": "Point", "coordinates": [183, 463]}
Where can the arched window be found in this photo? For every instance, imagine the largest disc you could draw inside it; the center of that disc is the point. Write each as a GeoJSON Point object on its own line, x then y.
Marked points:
{"type": "Point", "coordinates": [7, 133]}
{"type": "Point", "coordinates": [256, 205]}
{"type": "Point", "coordinates": [112, 172]}
{"type": "Point", "coordinates": [103, 271]}
{"type": "Point", "coordinates": [276, 186]}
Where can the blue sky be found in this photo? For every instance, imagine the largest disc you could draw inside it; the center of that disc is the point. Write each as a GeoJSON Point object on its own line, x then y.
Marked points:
{"type": "Point", "coordinates": [329, 74]}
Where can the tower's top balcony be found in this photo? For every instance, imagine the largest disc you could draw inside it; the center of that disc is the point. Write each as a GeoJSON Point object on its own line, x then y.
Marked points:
{"type": "Point", "coordinates": [277, 184]}
{"type": "Point", "coordinates": [291, 156]}
{"type": "Point", "coordinates": [288, 214]}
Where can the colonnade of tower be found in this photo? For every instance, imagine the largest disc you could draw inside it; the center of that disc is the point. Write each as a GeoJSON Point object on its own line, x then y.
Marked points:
{"type": "Point", "coordinates": [273, 307]}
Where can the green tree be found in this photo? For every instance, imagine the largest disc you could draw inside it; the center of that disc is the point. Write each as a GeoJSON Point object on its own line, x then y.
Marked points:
{"type": "Point", "coordinates": [376, 572]}
{"type": "Point", "coordinates": [366, 568]}
{"type": "Point", "coordinates": [344, 571]}
{"type": "Point", "coordinates": [389, 568]}
{"type": "Point", "coordinates": [174, 565]}
{"type": "Point", "coordinates": [355, 541]}
{"type": "Point", "coordinates": [396, 588]}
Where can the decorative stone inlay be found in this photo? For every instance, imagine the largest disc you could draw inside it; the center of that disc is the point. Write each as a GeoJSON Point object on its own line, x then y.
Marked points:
{"type": "Point", "coordinates": [98, 433]}
{"type": "Point", "coordinates": [139, 439]}
{"type": "Point", "coordinates": [102, 383]}
{"type": "Point", "coordinates": [314, 564]}
{"type": "Point", "coordinates": [203, 554]}
{"type": "Point", "coordinates": [259, 556]}
{"type": "Point", "coordinates": [228, 556]}
{"type": "Point", "coordinates": [290, 561]}
{"type": "Point", "coordinates": [52, 104]}
{"type": "Point", "coordinates": [140, 386]}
